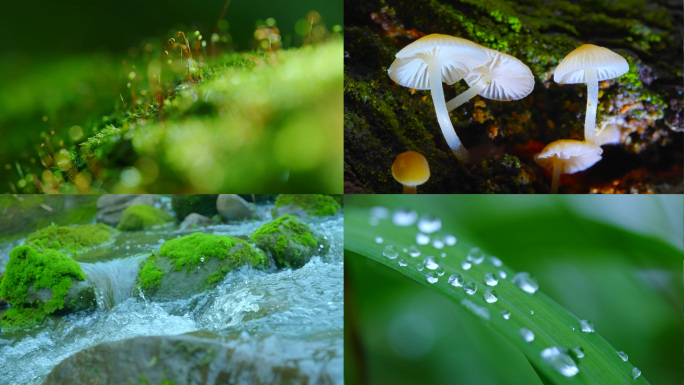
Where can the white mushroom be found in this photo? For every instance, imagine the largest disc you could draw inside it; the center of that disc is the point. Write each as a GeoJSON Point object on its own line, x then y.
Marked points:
{"type": "Point", "coordinates": [503, 78]}
{"type": "Point", "coordinates": [567, 156]}
{"type": "Point", "coordinates": [431, 60]}
{"type": "Point", "coordinates": [590, 64]}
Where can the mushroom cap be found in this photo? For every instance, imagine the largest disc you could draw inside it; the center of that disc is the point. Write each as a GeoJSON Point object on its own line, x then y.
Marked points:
{"type": "Point", "coordinates": [457, 57]}
{"type": "Point", "coordinates": [511, 79]}
{"type": "Point", "coordinates": [410, 168]}
{"type": "Point", "coordinates": [607, 63]}
{"type": "Point", "coordinates": [573, 155]}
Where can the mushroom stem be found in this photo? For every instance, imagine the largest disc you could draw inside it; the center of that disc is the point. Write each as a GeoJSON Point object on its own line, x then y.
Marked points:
{"type": "Point", "coordinates": [435, 70]}
{"type": "Point", "coordinates": [469, 93]}
{"type": "Point", "coordinates": [592, 105]}
{"type": "Point", "coordinates": [556, 176]}
{"type": "Point", "coordinates": [410, 190]}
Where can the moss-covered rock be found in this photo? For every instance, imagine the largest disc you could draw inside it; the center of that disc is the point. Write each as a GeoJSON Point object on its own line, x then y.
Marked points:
{"type": "Point", "coordinates": [289, 242]}
{"type": "Point", "coordinates": [185, 204]}
{"type": "Point", "coordinates": [140, 217]}
{"type": "Point", "coordinates": [305, 205]}
{"type": "Point", "coordinates": [20, 318]}
{"type": "Point", "coordinates": [71, 239]}
{"type": "Point", "coordinates": [44, 280]}
{"type": "Point", "coordinates": [188, 265]}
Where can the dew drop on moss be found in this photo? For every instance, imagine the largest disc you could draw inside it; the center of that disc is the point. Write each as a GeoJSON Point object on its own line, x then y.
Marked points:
{"type": "Point", "coordinates": [527, 334]}
{"type": "Point", "coordinates": [404, 217]}
{"type": "Point", "coordinates": [560, 361]}
{"type": "Point", "coordinates": [623, 355]}
{"type": "Point", "coordinates": [470, 288]}
{"type": "Point", "coordinates": [636, 373]}
{"type": "Point", "coordinates": [390, 252]}
{"type": "Point", "coordinates": [525, 282]}
{"type": "Point", "coordinates": [490, 296]}
{"type": "Point", "coordinates": [490, 279]}
{"type": "Point", "coordinates": [586, 326]}
{"type": "Point", "coordinates": [455, 280]}
{"type": "Point", "coordinates": [428, 223]}
{"type": "Point", "coordinates": [413, 251]}
{"type": "Point", "coordinates": [431, 277]}
{"type": "Point", "coordinates": [402, 262]}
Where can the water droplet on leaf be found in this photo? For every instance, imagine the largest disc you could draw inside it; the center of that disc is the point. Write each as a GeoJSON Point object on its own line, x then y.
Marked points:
{"type": "Point", "coordinates": [466, 265]}
{"type": "Point", "coordinates": [420, 266]}
{"type": "Point", "coordinates": [490, 296]}
{"type": "Point", "coordinates": [586, 326]}
{"type": "Point", "coordinates": [413, 251]}
{"type": "Point", "coordinates": [430, 263]}
{"type": "Point", "coordinates": [456, 280]}
{"type": "Point", "coordinates": [525, 282]}
{"type": "Point", "coordinates": [636, 373]}
{"type": "Point", "coordinates": [440, 271]}
{"type": "Point", "coordinates": [490, 279]}
{"type": "Point", "coordinates": [390, 252]}
{"type": "Point", "coordinates": [402, 262]}
{"type": "Point", "coordinates": [422, 239]}
{"type": "Point", "coordinates": [495, 261]}
{"type": "Point", "coordinates": [431, 277]}
{"type": "Point", "coordinates": [475, 255]}
{"type": "Point", "coordinates": [560, 361]}
{"type": "Point", "coordinates": [527, 334]}
{"type": "Point", "coordinates": [579, 352]}
{"type": "Point", "coordinates": [450, 240]}
{"type": "Point", "coordinates": [505, 314]}
{"type": "Point", "coordinates": [623, 355]}
{"type": "Point", "coordinates": [428, 223]}
{"type": "Point", "coordinates": [379, 240]}
{"type": "Point", "coordinates": [470, 288]}
{"type": "Point", "coordinates": [437, 244]}
{"type": "Point", "coordinates": [404, 217]}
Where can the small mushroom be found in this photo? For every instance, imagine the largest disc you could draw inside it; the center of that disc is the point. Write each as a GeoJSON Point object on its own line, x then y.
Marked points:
{"type": "Point", "coordinates": [590, 64]}
{"type": "Point", "coordinates": [411, 169]}
{"type": "Point", "coordinates": [567, 156]}
{"type": "Point", "coordinates": [431, 60]}
{"type": "Point", "coordinates": [503, 78]}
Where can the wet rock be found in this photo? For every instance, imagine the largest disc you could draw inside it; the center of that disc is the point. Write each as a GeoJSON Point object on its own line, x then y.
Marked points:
{"type": "Point", "coordinates": [141, 217]}
{"type": "Point", "coordinates": [110, 207]}
{"type": "Point", "coordinates": [233, 208]}
{"type": "Point", "coordinates": [194, 263]}
{"type": "Point", "coordinates": [305, 205]}
{"type": "Point", "coordinates": [184, 360]}
{"type": "Point", "coordinates": [289, 242]}
{"type": "Point", "coordinates": [71, 239]}
{"type": "Point", "coordinates": [194, 220]}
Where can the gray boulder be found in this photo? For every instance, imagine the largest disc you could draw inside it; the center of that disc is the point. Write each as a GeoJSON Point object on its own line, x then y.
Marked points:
{"type": "Point", "coordinates": [110, 207]}
{"type": "Point", "coordinates": [194, 219]}
{"type": "Point", "coordinates": [186, 360]}
{"type": "Point", "coordinates": [233, 208]}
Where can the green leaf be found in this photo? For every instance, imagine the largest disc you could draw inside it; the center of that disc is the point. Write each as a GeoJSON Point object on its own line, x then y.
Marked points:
{"type": "Point", "coordinates": [551, 323]}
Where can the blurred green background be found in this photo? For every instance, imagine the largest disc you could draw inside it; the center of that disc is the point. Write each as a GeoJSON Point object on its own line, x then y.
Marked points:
{"type": "Point", "coordinates": [65, 65]}
{"type": "Point", "coordinates": [613, 260]}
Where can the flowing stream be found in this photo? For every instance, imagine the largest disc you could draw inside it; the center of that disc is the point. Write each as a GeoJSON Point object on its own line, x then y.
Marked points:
{"type": "Point", "coordinates": [257, 311]}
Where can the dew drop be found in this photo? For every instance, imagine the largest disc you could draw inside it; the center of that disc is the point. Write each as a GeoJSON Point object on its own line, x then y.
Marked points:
{"type": "Point", "coordinates": [431, 277]}
{"type": "Point", "coordinates": [402, 262]}
{"type": "Point", "coordinates": [413, 251]}
{"type": "Point", "coordinates": [379, 240]}
{"type": "Point", "coordinates": [422, 239]}
{"type": "Point", "coordinates": [623, 355]}
{"type": "Point", "coordinates": [490, 296]}
{"type": "Point", "coordinates": [404, 217]}
{"type": "Point", "coordinates": [430, 263]}
{"type": "Point", "coordinates": [379, 212]}
{"type": "Point", "coordinates": [527, 334]}
{"type": "Point", "coordinates": [505, 314]}
{"type": "Point", "coordinates": [428, 223]}
{"type": "Point", "coordinates": [475, 256]}
{"type": "Point", "coordinates": [440, 271]}
{"type": "Point", "coordinates": [495, 261]}
{"type": "Point", "coordinates": [560, 361]}
{"type": "Point", "coordinates": [572, 327]}
{"type": "Point", "coordinates": [390, 252]}
{"type": "Point", "coordinates": [202, 259]}
{"type": "Point", "coordinates": [420, 266]}
{"type": "Point", "coordinates": [531, 311]}
{"type": "Point", "coordinates": [455, 280]}
{"type": "Point", "coordinates": [636, 373]}
{"type": "Point", "coordinates": [466, 265]}
{"type": "Point", "coordinates": [586, 326]}
{"type": "Point", "coordinates": [450, 240]}
{"type": "Point", "coordinates": [502, 274]}
{"type": "Point", "coordinates": [490, 279]}
{"type": "Point", "coordinates": [579, 352]}
{"type": "Point", "coordinates": [470, 288]}
{"type": "Point", "coordinates": [525, 282]}
{"type": "Point", "coordinates": [443, 255]}
{"type": "Point", "coordinates": [438, 244]}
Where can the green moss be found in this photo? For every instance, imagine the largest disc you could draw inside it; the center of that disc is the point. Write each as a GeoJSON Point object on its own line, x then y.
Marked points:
{"type": "Point", "coordinates": [150, 275]}
{"type": "Point", "coordinates": [204, 204]}
{"type": "Point", "coordinates": [20, 318]}
{"type": "Point", "coordinates": [71, 239]}
{"type": "Point", "coordinates": [313, 204]}
{"type": "Point", "coordinates": [47, 268]}
{"type": "Point", "coordinates": [187, 253]}
{"type": "Point", "coordinates": [301, 234]}
{"type": "Point", "coordinates": [139, 217]}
